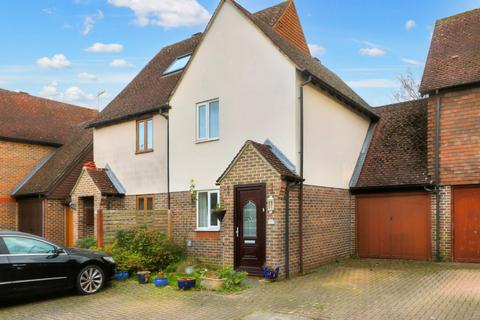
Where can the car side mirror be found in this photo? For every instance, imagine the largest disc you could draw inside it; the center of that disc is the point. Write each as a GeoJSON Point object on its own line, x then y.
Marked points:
{"type": "Point", "coordinates": [57, 251]}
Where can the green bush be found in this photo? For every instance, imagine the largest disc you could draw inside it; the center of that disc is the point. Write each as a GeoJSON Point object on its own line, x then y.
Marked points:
{"type": "Point", "coordinates": [86, 243]}
{"type": "Point", "coordinates": [143, 249]}
{"type": "Point", "coordinates": [233, 279]}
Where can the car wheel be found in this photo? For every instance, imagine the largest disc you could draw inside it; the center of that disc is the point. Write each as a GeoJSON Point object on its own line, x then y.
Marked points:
{"type": "Point", "coordinates": [90, 279]}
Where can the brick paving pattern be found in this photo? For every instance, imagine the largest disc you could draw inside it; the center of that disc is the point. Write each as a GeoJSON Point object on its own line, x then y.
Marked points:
{"type": "Point", "coordinates": [353, 289]}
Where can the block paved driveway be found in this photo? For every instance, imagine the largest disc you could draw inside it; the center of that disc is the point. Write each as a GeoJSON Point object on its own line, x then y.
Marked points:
{"type": "Point", "coordinates": [353, 289]}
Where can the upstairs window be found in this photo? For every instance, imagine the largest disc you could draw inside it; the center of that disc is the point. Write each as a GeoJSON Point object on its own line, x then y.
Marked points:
{"type": "Point", "coordinates": [207, 121]}
{"type": "Point", "coordinates": [145, 135]}
{"type": "Point", "coordinates": [178, 64]}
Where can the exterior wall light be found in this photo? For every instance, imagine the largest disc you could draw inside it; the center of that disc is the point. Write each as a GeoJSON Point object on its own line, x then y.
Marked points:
{"type": "Point", "coordinates": [270, 204]}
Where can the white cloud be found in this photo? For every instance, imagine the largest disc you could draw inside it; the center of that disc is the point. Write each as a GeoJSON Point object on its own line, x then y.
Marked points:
{"type": "Point", "coordinates": [87, 76]}
{"type": "Point", "coordinates": [49, 11]}
{"type": "Point", "coordinates": [373, 83]}
{"type": "Point", "coordinates": [105, 47]}
{"type": "Point", "coordinates": [316, 50]}
{"type": "Point", "coordinates": [74, 93]}
{"type": "Point", "coordinates": [90, 20]}
{"type": "Point", "coordinates": [58, 61]}
{"type": "Point", "coordinates": [412, 62]}
{"type": "Point", "coordinates": [410, 24]}
{"type": "Point", "coordinates": [372, 52]}
{"type": "Point", "coordinates": [120, 63]}
{"type": "Point", "coordinates": [50, 90]}
{"type": "Point", "coordinates": [166, 13]}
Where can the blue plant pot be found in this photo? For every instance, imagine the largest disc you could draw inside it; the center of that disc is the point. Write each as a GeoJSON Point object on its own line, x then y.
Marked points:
{"type": "Point", "coordinates": [269, 274]}
{"type": "Point", "coordinates": [143, 278]}
{"type": "Point", "coordinates": [160, 282]}
{"type": "Point", "coordinates": [118, 276]}
{"type": "Point", "coordinates": [186, 284]}
{"type": "Point", "coordinates": [125, 275]}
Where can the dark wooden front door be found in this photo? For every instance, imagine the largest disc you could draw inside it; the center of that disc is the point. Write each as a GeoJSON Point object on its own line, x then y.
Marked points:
{"type": "Point", "coordinates": [249, 228]}
{"type": "Point", "coordinates": [30, 216]}
{"type": "Point", "coordinates": [466, 220]}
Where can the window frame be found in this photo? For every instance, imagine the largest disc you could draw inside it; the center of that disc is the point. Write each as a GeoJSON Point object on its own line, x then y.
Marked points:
{"type": "Point", "coordinates": [145, 135]}
{"type": "Point", "coordinates": [145, 201]}
{"type": "Point", "coordinates": [207, 121]}
{"type": "Point", "coordinates": [197, 217]}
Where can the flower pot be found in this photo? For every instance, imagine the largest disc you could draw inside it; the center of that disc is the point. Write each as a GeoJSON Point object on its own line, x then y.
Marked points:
{"type": "Point", "coordinates": [160, 282]}
{"type": "Point", "coordinates": [270, 274]}
{"type": "Point", "coordinates": [125, 275]}
{"type": "Point", "coordinates": [219, 214]}
{"type": "Point", "coordinates": [186, 283]}
{"type": "Point", "coordinates": [118, 275]}
{"type": "Point", "coordinates": [211, 283]}
{"type": "Point", "coordinates": [143, 277]}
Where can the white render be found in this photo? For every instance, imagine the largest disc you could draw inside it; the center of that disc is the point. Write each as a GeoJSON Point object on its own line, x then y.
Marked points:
{"type": "Point", "coordinates": [143, 173]}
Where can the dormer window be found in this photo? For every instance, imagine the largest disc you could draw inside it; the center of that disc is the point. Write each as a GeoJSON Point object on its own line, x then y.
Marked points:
{"type": "Point", "coordinates": [178, 64]}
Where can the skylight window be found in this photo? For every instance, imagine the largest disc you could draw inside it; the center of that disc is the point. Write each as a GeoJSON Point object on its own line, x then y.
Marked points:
{"type": "Point", "coordinates": [178, 64]}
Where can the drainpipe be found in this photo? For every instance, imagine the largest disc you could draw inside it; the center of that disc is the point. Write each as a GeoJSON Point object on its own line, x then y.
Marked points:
{"type": "Point", "coordinates": [287, 228]}
{"type": "Point", "coordinates": [437, 175]}
{"type": "Point", "coordinates": [164, 112]}
{"type": "Point", "coordinates": [300, 196]}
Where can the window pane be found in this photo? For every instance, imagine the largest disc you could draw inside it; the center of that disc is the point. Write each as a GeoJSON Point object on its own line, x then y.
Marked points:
{"type": "Point", "coordinates": [213, 119]}
{"type": "Point", "coordinates": [27, 246]}
{"type": "Point", "coordinates": [150, 203]}
{"type": "Point", "coordinates": [150, 134]}
{"type": "Point", "coordinates": [202, 122]}
{"type": "Point", "coordinates": [178, 64]}
{"type": "Point", "coordinates": [213, 205]}
{"type": "Point", "coordinates": [250, 220]}
{"type": "Point", "coordinates": [202, 209]}
{"type": "Point", "coordinates": [141, 136]}
{"type": "Point", "coordinates": [141, 204]}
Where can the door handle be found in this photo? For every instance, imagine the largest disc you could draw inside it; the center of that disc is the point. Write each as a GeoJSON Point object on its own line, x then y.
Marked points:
{"type": "Point", "coordinates": [236, 232]}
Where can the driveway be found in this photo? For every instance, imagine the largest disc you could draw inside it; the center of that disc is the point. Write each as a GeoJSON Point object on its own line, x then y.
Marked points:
{"type": "Point", "coordinates": [353, 289]}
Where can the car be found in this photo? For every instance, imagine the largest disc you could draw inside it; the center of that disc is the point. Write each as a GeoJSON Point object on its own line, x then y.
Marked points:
{"type": "Point", "coordinates": [30, 264]}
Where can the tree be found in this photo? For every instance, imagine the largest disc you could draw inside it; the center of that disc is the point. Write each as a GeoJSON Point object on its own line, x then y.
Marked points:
{"type": "Point", "coordinates": [409, 88]}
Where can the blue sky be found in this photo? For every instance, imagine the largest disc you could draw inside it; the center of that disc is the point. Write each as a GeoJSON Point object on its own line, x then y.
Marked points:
{"type": "Point", "coordinates": [48, 47]}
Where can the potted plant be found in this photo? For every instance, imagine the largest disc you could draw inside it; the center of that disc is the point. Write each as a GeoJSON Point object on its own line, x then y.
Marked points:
{"type": "Point", "coordinates": [160, 280]}
{"type": "Point", "coordinates": [121, 273]}
{"type": "Point", "coordinates": [270, 273]}
{"type": "Point", "coordinates": [143, 277]}
{"type": "Point", "coordinates": [219, 211]}
{"type": "Point", "coordinates": [211, 280]}
{"type": "Point", "coordinates": [186, 283]}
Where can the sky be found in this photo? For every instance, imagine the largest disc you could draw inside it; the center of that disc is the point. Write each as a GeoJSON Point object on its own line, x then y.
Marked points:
{"type": "Point", "coordinates": [73, 50]}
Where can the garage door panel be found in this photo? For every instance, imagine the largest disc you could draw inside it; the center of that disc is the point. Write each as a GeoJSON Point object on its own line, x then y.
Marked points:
{"type": "Point", "coordinates": [394, 226]}
{"type": "Point", "coordinates": [467, 224]}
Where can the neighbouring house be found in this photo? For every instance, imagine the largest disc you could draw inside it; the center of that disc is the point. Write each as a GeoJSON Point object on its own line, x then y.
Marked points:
{"type": "Point", "coordinates": [40, 142]}
{"type": "Point", "coordinates": [417, 194]}
{"type": "Point", "coordinates": [241, 115]}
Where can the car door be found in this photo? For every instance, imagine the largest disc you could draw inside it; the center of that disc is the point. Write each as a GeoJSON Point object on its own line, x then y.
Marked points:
{"type": "Point", "coordinates": [36, 264]}
{"type": "Point", "coordinates": [5, 271]}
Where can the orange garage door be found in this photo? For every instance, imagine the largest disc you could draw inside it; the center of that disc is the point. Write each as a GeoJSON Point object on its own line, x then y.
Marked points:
{"type": "Point", "coordinates": [466, 221]}
{"type": "Point", "coordinates": [394, 225]}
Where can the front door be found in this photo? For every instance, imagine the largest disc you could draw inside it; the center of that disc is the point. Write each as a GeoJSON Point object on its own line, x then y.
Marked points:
{"type": "Point", "coordinates": [250, 228]}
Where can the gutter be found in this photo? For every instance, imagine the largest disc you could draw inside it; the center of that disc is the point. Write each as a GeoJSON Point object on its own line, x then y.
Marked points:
{"type": "Point", "coordinates": [437, 175]}
{"type": "Point", "coordinates": [127, 117]}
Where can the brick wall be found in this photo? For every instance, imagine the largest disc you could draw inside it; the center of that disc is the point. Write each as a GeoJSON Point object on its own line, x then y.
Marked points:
{"type": "Point", "coordinates": [16, 161]}
{"type": "Point", "coordinates": [445, 223]}
{"type": "Point", "coordinates": [54, 221]}
{"type": "Point", "coordinates": [459, 137]}
{"type": "Point", "coordinates": [328, 224]}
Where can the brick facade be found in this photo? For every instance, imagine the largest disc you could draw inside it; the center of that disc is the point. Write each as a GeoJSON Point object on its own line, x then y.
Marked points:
{"type": "Point", "coordinates": [16, 161]}
{"type": "Point", "coordinates": [54, 221]}
{"type": "Point", "coordinates": [445, 223]}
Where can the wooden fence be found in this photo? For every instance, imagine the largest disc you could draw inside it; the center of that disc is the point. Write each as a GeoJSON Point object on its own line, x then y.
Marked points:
{"type": "Point", "coordinates": [110, 221]}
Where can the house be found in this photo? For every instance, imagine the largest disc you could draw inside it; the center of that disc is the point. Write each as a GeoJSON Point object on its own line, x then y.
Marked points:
{"type": "Point", "coordinates": [417, 193]}
{"type": "Point", "coordinates": [39, 139]}
{"type": "Point", "coordinates": [241, 115]}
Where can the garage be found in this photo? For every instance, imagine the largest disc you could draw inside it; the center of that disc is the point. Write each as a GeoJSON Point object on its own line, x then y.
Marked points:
{"type": "Point", "coordinates": [466, 222]}
{"type": "Point", "coordinates": [30, 216]}
{"type": "Point", "coordinates": [394, 225]}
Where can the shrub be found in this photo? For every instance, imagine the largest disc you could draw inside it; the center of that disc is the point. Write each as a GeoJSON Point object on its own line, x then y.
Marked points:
{"type": "Point", "coordinates": [86, 243]}
{"type": "Point", "coordinates": [143, 249]}
{"type": "Point", "coordinates": [233, 279]}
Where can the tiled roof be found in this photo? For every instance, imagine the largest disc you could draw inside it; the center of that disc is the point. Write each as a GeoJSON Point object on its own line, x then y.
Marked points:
{"type": "Point", "coordinates": [271, 15]}
{"type": "Point", "coordinates": [33, 119]}
{"type": "Point", "coordinates": [266, 152]}
{"type": "Point", "coordinates": [102, 181]}
{"type": "Point", "coordinates": [397, 154]}
{"type": "Point", "coordinates": [454, 56]}
{"type": "Point", "coordinates": [61, 163]}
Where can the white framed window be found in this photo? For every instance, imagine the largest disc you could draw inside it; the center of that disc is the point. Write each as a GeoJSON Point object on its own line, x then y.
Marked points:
{"type": "Point", "coordinates": [206, 201]}
{"type": "Point", "coordinates": [208, 120]}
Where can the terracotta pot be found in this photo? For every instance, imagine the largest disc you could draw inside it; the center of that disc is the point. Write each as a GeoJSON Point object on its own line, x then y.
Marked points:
{"type": "Point", "coordinates": [211, 283]}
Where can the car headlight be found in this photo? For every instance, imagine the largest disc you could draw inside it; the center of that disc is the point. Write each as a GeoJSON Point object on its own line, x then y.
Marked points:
{"type": "Point", "coordinates": [109, 259]}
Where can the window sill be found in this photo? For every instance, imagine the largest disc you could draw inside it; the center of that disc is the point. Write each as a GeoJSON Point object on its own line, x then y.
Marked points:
{"type": "Point", "coordinates": [144, 151]}
{"type": "Point", "coordinates": [206, 140]}
{"type": "Point", "coordinates": [216, 229]}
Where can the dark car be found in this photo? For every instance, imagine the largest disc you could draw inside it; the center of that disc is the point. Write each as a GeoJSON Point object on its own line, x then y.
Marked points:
{"type": "Point", "coordinates": [30, 264]}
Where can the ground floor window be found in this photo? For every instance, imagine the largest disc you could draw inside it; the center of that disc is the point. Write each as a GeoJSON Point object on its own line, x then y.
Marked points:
{"type": "Point", "coordinates": [206, 201]}
{"type": "Point", "coordinates": [144, 202]}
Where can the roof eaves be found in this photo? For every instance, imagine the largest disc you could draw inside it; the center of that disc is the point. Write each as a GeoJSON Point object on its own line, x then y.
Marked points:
{"type": "Point", "coordinates": [125, 118]}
